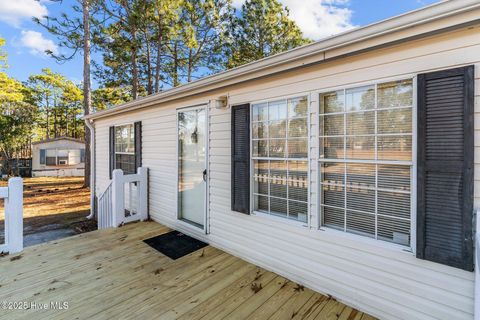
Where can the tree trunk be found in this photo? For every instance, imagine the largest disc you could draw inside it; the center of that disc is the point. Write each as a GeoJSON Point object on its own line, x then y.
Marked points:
{"type": "Point", "coordinates": [175, 65]}
{"type": "Point", "coordinates": [134, 65]}
{"type": "Point", "coordinates": [190, 65]}
{"type": "Point", "coordinates": [55, 128]}
{"type": "Point", "coordinates": [47, 113]}
{"type": "Point", "coordinates": [87, 99]}
{"type": "Point", "coordinates": [55, 122]}
{"type": "Point", "coordinates": [149, 65]}
{"type": "Point", "coordinates": [66, 123]}
{"type": "Point", "coordinates": [159, 54]}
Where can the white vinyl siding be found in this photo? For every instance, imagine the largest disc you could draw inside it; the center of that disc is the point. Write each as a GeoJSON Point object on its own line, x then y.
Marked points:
{"type": "Point", "coordinates": [73, 149]}
{"type": "Point", "coordinates": [385, 282]}
{"type": "Point", "coordinates": [366, 163]}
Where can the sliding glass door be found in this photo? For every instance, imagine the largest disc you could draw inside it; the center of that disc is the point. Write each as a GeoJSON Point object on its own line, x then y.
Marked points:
{"type": "Point", "coordinates": [192, 166]}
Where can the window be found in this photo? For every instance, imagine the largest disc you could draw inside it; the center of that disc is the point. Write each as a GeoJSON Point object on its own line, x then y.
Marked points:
{"type": "Point", "coordinates": [125, 148]}
{"type": "Point", "coordinates": [63, 157]}
{"type": "Point", "coordinates": [366, 160]}
{"type": "Point", "coordinates": [51, 157]}
{"type": "Point", "coordinates": [74, 157]}
{"type": "Point", "coordinates": [280, 158]}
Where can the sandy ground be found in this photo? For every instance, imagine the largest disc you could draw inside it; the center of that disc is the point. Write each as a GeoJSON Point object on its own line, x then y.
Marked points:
{"type": "Point", "coordinates": [53, 207]}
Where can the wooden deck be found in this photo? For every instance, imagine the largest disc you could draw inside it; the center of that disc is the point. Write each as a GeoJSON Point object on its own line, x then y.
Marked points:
{"type": "Point", "coordinates": [112, 274]}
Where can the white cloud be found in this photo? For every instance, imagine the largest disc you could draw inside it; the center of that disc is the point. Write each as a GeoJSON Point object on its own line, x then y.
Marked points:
{"type": "Point", "coordinates": [14, 12]}
{"type": "Point", "coordinates": [37, 44]}
{"type": "Point", "coordinates": [238, 3]}
{"type": "Point", "coordinates": [318, 18]}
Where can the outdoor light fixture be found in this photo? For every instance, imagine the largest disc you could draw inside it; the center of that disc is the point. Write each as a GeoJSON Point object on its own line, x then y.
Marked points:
{"type": "Point", "coordinates": [221, 102]}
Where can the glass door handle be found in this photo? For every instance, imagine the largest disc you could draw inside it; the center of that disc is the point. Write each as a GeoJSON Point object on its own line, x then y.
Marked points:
{"type": "Point", "coordinates": [205, 175]}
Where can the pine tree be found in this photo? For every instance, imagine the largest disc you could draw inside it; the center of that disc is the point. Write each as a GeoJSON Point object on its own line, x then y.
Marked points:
{"type": "Point", "coordinates": [204, 26]}
{"type": "Point", "coordinates": [17, 114]}
{"type": "Point", "coordinates": [264, 28]}
{"type": "Point", "coordinates": [74, 32]}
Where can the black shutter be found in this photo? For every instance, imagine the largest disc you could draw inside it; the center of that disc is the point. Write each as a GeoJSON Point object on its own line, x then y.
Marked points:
{"type": "Point", "coordinates": [43, 156]}
{"type": "Point", "coordinates": [82, 155]}
{"type": "Point", "coordinates": [138, 145]}
{"type": "Point", "coordinates": [241, 158]}
{"type": "Point", "coordinates": [112, 150]}
{"type": "Point", "coordinates": [445, 167]}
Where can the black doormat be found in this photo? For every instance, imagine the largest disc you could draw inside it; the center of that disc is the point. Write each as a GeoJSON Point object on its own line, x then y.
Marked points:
{"type": "Point", "coordinates": [175, 244]}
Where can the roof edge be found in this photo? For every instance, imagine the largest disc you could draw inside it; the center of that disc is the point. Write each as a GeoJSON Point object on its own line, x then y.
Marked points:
{"type": "Point", "coordinates": [410, 19]}
{"type": "Point", "coordinates": [58, 139]}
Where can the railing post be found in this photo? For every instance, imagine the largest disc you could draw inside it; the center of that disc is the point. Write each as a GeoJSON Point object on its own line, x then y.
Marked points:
{"type": "Point", "coordinates": [14, 216]}
{"type": "Point", "coordinates": [118, 198]}
{"type": "Point", "coordinates": [143, 193]}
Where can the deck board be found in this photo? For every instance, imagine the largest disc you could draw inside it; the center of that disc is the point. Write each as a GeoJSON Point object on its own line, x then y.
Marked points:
{"type": "Point", "coordinates": [112, 274]}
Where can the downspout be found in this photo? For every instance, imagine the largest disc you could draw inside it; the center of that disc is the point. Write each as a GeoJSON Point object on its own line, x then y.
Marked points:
{"type": "Point", "coordinates": [92, 167]}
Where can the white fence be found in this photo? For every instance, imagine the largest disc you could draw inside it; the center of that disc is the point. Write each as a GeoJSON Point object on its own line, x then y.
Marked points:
{"type": "Point", "coordinates": [13, 196]}
{"type": "Point", "coordinates": [124, 200]}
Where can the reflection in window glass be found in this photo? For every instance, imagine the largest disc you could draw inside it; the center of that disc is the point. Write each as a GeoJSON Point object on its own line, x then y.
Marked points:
{"type": "Point", "coordinates": [358, 99]}
{"type": "Point", "coordinates": [395, 148]}
{"type": "Point", "coordinates": [297, 107]}
{"type": "Point", "coordinates": [361, 123]}
{"type": "Point", "coordinates": [277, 110]}
{"type": "Point", "coordinates": [277, 148]}
{"type": "Point", "coordinates": [260, 148]}
{"type": "Point", "coordinates": [366, 164]}
{"type": "Point", "coordinates": [297, 128]}
{"type": "Point", "coordinates": [260, 112]}
{"type": "Point", "coordinates": [277, 129]}
{"type": "Point", "coordinates": [332, 147]}
{"type": "Point", "coordinates": [360, 148]}
{"type": "Point", "coordinates": [260, 130]}
{"type": "Point", "coordinates": [125, 148]}
{"type": "Point", "coordinates": [395, 121]}
{"type": "Point", "coordinates": [297, 148]}
{"type": "Point", "coordinates": [395, 94]}
{"type": "Point", "coordinates": [332, 102]}
{"type": "Point", "coordinates": [332, 125]}
{"type": "Point", "coordinates": [279, 154]}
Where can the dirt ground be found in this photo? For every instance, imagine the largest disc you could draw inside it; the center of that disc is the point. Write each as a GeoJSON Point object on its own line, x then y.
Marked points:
{"type": "Point", "coordinates": [52, 203]}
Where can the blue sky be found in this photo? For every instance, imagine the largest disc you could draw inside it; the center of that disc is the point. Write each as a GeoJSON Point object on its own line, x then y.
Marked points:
{"type": "Point", "coordinates": [26, 41]}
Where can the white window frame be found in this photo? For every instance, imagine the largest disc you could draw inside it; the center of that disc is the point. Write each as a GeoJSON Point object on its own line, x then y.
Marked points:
{"type": "Point", "coordinates": [189, 226]}
{"type": "Point", "coordinates": [411, 249]}
{"type": "Point", "coordinates": [307, 159]}
{"type": "Point", "coordinates": [115, 152]}
{"type": "Point", "coordinates": [57, 164]}
{"type": "Point", "coordinates": [115, 137]}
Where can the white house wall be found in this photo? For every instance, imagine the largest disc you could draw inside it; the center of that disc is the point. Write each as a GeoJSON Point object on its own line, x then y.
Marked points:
{"type": "Point", "coordinates": [381, 280]}
{"type": "Point", "coordinates": [42, 170]}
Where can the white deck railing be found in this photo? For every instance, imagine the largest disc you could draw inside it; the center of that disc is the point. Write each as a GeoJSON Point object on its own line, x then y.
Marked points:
{"type": "Point", "coordinates": [105, 216]}
{"type": "Point", "coordinates": [124, 200]}
{"type": "Point", "coordinates": [13, 196]}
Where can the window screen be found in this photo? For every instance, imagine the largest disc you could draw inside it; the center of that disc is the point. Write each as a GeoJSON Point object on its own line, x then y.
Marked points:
{"type": "Point", "coordinates": [125, 148]}
{"type": "Point", "coordinates": [51, 157]}
{"type": "Point", "coordinates": [62, 157]}
{"type": "Point", "coordinates": [366, 160]}
{"type": "Point", "coordinates": [74, 157]}
{"type": "Point", "coordinates": [280, 158]}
